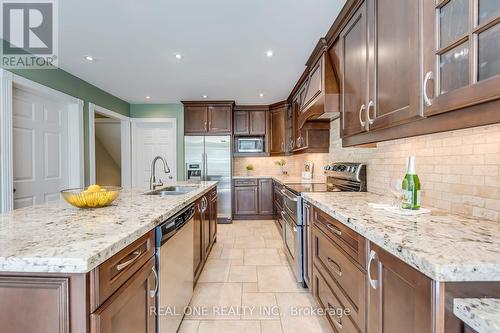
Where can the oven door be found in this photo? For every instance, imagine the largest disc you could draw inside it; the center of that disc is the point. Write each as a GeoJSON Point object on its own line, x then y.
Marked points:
{"type": "Point", "coordinates": [292, 241]}
{"type": "Point", "coordinates": [290, 203]}
{"type": "Point", "coordinates": [249, 145]}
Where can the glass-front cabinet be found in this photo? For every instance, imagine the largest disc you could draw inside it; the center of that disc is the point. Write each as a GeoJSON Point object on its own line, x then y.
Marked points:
{"type": "Point", "coordinates": [461, 54]}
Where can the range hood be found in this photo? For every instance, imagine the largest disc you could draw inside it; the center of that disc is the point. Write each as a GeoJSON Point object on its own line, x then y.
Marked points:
{"type": "Point", "coordinates": [320, 92]}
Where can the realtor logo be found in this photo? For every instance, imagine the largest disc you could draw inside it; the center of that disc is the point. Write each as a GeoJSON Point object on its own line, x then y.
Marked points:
{"type": "Point", "coordinates": [29, 33]}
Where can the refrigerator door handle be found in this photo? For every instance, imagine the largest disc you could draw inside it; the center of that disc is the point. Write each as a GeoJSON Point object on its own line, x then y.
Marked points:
{"type": "Point", "coordinates": [204, 165]}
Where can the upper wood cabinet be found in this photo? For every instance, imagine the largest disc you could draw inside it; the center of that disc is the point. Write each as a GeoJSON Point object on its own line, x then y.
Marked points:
{"type": "Point", "coordinates": [394, 76]}
{"type": "Point", "coordinates": [250, 122]}
{"type": "Point", "coordinates": [277, 117]}
{"type": "Point", "coordinates": [205, 118]}
{"type": "Point", "coordinates": [461, 54]}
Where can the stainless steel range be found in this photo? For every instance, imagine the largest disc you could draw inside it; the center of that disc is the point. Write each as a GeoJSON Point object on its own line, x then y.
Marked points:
{"type": "Point", "coordinates": [341, 177]}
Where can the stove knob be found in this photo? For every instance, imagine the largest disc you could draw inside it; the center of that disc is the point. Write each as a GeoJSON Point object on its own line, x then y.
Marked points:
{"type": "Point", "coordinates": [342, 168]}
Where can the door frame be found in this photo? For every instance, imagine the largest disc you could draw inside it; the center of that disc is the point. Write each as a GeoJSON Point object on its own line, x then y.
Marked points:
{"type": "Point", "coordinates": [76, 167]}
{"type": "Point", "coordinates": [134, 122]}
{"type": "Point", "coordinates": [125, 133]}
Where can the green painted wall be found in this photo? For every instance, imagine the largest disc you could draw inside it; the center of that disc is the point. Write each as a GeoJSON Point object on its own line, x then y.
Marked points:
{"type": "Point", "coordinates": [165, 111]}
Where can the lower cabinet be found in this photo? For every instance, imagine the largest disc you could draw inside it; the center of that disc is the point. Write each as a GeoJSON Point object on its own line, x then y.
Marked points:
{"type": "Point", "coordinates": [131, 309]}
{"type": "Point", "coordinates": [253, 198]}
{"type": "Point", "coordinates": [400, 297]}
{"type": "Point", "coordinates": [205, 230]}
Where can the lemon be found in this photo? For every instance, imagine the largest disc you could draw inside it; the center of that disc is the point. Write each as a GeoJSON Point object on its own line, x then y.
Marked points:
{"type": "Point", "coordinates": [94, 188]}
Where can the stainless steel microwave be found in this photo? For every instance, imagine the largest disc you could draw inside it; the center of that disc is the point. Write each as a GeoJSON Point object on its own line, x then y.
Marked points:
{"type": "Point", "coordinates": [250, 145]}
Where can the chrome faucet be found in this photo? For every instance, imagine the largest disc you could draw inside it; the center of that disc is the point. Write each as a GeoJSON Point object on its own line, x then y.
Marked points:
{"type": "Point", "coordinates": [153, 183]}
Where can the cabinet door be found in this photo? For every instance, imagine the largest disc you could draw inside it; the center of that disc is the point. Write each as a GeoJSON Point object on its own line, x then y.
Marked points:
{"type": "Point", "coordinates": [277, 131]}
{"type": "Point", "coordinates": [241, 123]}
{"type": "Point", "coordinates": [195, 119]}
{"type": "Point", "coordinates": [213, 216]}
{"type": "Point", "coordinates": [246, 200]}
{"type": "Point", "coordinates": [265, 196]}
{"type": "Point", "coordinates": [206, 226]}
{"type": "Point", "coordinates": [314, 86]}
{"type": "Point", "coordinates": [461, 54]}
{"type": "Point", "coordinates": [258, 122]}
{"type": "Point", "coordinates": [128, 309]}
{"type": "Point", "coordinates": [353, 73]}
{"type": "Point", "coordinates": [394, 63]}
{"type": "Point", "coordinates": [400, 297]}
{"type": "Point", "coordinates": [198, 240]}
{"type": "Point", "coordinates": [308, 256]}
{"type": "Point", "coordinates": [219, 119]}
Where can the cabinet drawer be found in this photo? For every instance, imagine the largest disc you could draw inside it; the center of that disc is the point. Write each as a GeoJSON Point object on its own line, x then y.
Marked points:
{"type": "Point", "coordinates": [348, 240]}
{"type": "Point", "coordinates": [343, 275]}
{"type": "Point", "coordinates": [246, 182]}
{"type": "Point", "coordinates": [114, 272]}
{"type": "Point", "coordinates": [337, 316]}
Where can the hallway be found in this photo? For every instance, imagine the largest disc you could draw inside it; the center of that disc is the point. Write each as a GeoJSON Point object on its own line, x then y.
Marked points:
{"type": "Point", "coordinates": [247, 286]}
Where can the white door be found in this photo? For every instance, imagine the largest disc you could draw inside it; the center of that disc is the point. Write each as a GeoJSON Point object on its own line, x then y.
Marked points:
{"type": "Point", "coordinates": [151, 139]}
{"type": "Point", "coordinates": [40, 148]}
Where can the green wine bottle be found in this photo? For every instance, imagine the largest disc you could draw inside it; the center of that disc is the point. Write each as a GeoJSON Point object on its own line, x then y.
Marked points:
{"type": "Point", "coordinates": [411, 186]}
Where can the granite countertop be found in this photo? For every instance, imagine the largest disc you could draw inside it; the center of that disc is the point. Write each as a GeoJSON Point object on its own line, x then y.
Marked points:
{"type": "Point", "coordinates": [443, 246]}
{"type": "Point", "coordinates": [285, 179]}
{"type": "Point", "coordinates": [481, 314]}
{"type": "Point", "coordinates": [57, 237]}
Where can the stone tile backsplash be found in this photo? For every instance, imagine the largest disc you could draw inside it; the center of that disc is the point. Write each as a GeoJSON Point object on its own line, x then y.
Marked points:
{"type": "Point", "coordinates": [458, 170]}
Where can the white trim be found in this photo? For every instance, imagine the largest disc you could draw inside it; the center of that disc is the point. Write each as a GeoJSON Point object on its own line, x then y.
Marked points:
{"type": "Point", "coordinates": [75, 125]}
{"type": "Point", "coordinates": [125, 142]}
{"type": "Point", "coordinates": [134, 122]}
{"type": "Point", "coordinates": [6, 155]}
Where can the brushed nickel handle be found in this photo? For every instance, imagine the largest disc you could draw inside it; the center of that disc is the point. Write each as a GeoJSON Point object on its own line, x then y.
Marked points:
{"type": "Point", "coordinates": [128, 262]}
{"type": "Point", "coordinates": [336, 267]}
{"type": "Point", "coordinates": [370, 105]}
{"type": "Point", "coordinates": [152, 293]}
{"type": "Point", "coordinates": [334, 229]}
{"type": "Point", "coordinates": [363, 124]}
{"type": "Point", "coordinates": [428, 76]}
{"type": "Point", "coordinates": [373, 283]}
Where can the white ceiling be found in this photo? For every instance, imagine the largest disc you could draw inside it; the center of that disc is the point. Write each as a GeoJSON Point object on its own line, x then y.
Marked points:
{"type": "Point", "coordinates": [223, 44]}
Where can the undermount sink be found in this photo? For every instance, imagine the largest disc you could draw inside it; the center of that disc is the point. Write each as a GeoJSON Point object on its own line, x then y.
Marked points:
{"type": "Point", "coordinates": [172, 190]}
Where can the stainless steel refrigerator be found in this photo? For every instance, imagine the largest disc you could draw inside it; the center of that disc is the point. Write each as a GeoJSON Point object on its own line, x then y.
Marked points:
{"type": "Point", "coordinates": [212, 155]}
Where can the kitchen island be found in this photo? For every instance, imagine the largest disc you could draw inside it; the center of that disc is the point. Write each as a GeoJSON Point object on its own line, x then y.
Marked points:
{"type": "Point", "coordinates": [77, 270]}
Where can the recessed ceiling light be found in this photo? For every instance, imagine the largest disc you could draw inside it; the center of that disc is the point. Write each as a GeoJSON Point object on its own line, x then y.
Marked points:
{"type": "Point", "coordinates": [89, 58]}
{"type": "Point", "coordinates": [178, 56]}
{"type": "Point", "coordinates": [269, 53]}
{"type": "Point", "coordinates": [148, 97]}
{"type": "Point", "coordinates": [205, 96]}
{"type": "Point", "coordinates": [261, 95]}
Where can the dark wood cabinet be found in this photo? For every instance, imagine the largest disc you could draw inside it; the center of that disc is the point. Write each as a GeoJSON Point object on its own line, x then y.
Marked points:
{"type": "Point", "coordinates": [266, 196]}
{"type": "Point", "coordinates": [241, 123]}
{"type": "Point", "coordinates": [307, 243]}
{"type": "Point", "coordinates": [129, 308]}
{"type": "Point", "coordinates": [208, 118]}
{"type": "Point", "coordinates": [394, 75]}
{"type": "Point", "coordinates": [250, 122]}
{"type": "Point", "coordinates": [198, 240]}
{"type": "Point", "coordinates": [400, 297]}
{"type": "Point", "coordinates": [461, 54]}
{"type": "Point", "coordinates": [213, 215]}
{"type": "Point", "coordinates": [205, 230]}
{"type": "Point", "coordinates": [206, 216]}
{"type": "Point", "coordinates": [277, 128]}
{"type": "Point", "coordinates": [246, 200]}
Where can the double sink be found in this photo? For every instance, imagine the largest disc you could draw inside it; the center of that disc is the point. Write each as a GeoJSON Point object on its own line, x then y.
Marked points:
{"type": "Point", "coordinates": [172, 190]}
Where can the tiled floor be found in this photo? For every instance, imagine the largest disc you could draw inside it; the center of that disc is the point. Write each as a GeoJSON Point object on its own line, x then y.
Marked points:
{"type": "Point", "coordinates": [247, 286]}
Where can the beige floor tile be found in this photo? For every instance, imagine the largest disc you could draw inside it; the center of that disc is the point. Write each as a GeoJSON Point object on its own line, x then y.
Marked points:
{"type": "Point", "coordinates": [242, 274]}
{"type": "Point", "coordinates": [229, 253]}
{"type": "Point", "coordinates": [215, 270]}
{"type": "Point", "coordinates": [277, 279]}
{"type": "Point", "coordinates": [189, 326]}
{"type": "Point", "coordinates": [250, 287]}
{"type": "Point", "coordinates": [290, 305]}
{"type": "Point", "coordinates": [274, 243]}
{"type": "Point", "coordinates": [211, 297]}
{"type": "Point", "coordinates": [262, 256]}
{"type": "Point", "coordinates": [229, 326]}
{"type": "Point", "coordinates": [249, 243]}
{"type": "Point", "coordinates": [237, 262]}
{"type": "Point", "coordinates": [270, 326]}
{"type": "Point", "coordinates": [259, 306]}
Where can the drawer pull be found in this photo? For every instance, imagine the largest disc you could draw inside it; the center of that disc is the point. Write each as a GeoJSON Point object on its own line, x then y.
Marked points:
{"type": "Point", "coordinates": [336, 267]}
{"type": "Point", "coordinates": [128, 262]}
{"type": "Point", "coordinates": [152, 293]}
{"type": "Point", "coordinates": [373, 283]}
{"type": "Point", "coordinates": [338, 322]}
{"type": "Point", "coordinates": [334, 229]}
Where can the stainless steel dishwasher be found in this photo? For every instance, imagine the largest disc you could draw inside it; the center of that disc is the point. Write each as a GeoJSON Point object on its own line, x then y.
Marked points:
{"type": "Point", "coordinates": [174, 263]}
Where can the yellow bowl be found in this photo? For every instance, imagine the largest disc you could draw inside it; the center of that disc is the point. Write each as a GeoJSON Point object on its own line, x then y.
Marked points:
{"type": "Point", "coordinates": [82, 198]}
